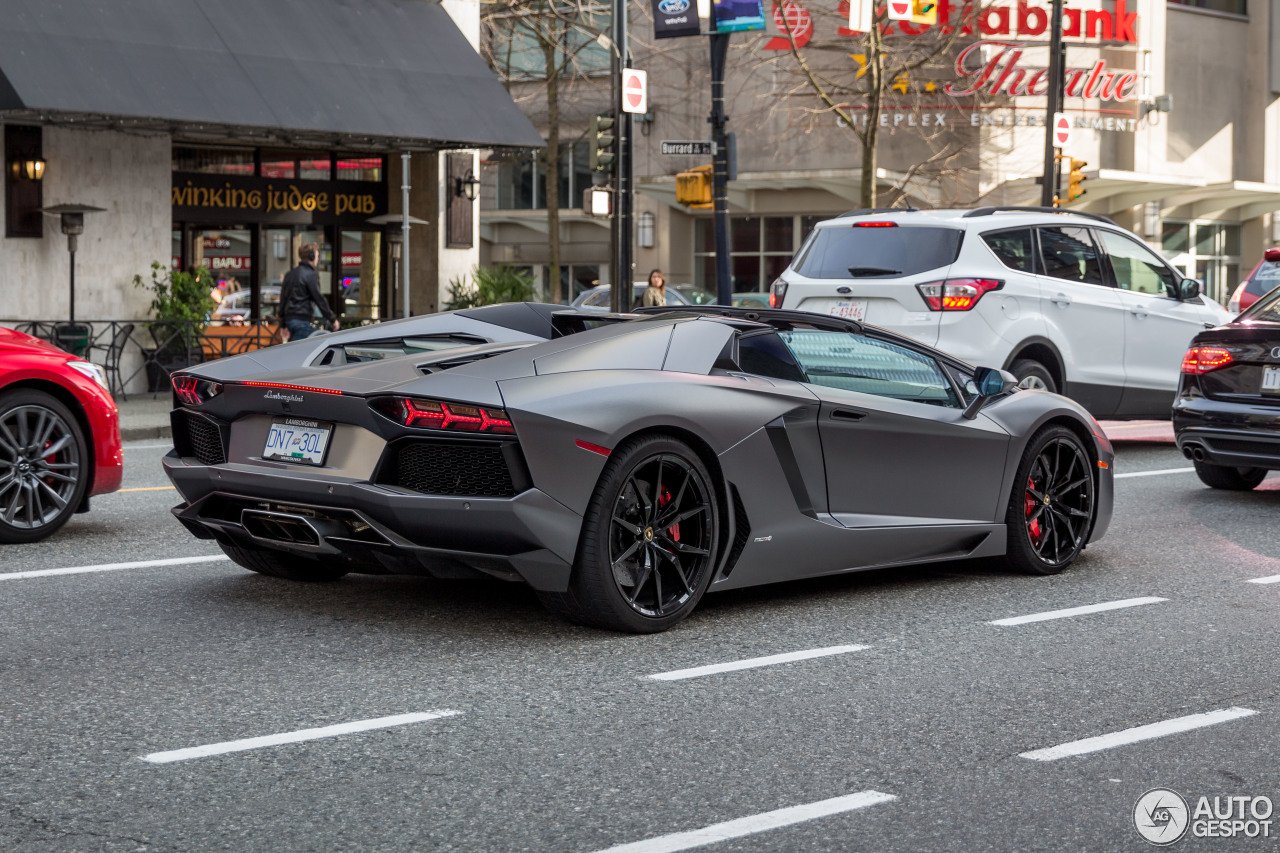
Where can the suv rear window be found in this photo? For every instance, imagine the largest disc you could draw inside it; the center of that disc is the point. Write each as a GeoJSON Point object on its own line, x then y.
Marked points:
{"type": "Point", "coordinates": [859, 252]}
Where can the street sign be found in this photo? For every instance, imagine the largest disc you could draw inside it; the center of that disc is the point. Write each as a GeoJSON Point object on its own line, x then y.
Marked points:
{"type": "Point", "coordinates": [673, 18]}
{"type": "Point", "coordinates": [1061, 130]}
{"type": "Point", "coordinates": [860, 12]}
{"type": "Point", "coordinates": [699, 147]}
{"type": "Point", "coordinates": [635, 91]}
{"type": "Point", "coordinates": [900, 10]}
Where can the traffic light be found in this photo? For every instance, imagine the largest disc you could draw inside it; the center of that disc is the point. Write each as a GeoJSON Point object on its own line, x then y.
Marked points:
{"type": "Point", "coordinates": [693, 188]}
{"type": "Point", "coordinates": [603, 143]}
{"type": "Point", "coordinates": [924, 12]}
{"type": "Point", "coordinates": [1076, 179]}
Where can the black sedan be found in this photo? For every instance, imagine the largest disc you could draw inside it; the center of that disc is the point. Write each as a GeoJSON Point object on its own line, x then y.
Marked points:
{"type": "Point", "coordinates": [1226, 418]}
{"type": "Point", "coordinates": [624, 465]}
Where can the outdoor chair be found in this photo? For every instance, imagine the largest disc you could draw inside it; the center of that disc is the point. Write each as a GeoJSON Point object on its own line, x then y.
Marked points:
{"type": "Point", "coordinates": [111, 358]}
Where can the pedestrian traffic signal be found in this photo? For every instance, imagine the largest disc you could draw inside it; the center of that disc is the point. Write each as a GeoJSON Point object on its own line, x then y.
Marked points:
{"type": "Point", "coordinates": [603, 143]}
{"type": "Point", "coordinates": [1076, 179]}
{"type": "Point", "coordinates": [693, 188]}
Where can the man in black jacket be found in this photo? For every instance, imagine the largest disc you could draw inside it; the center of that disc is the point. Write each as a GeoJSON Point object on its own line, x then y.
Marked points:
{"type": "Point", "coordinates": [301, 290]}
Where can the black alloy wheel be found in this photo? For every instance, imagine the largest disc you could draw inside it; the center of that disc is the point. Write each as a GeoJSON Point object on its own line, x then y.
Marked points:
{"type": "Point", "coordinates": [43, 465]}
{"type": "Point", "coordinates": [1052, 508]}
{"type": "Point", "coordinates": [649, 540]}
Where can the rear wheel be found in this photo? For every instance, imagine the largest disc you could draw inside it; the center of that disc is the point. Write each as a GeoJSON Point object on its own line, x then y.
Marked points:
{"type": "Point", "coordinates": [1231, 479]}
{"type": "Point", "coordinates": [280, 565]}
{"type": "Point", "coordinates": [1052, 507]}
{"type": "Point", "coordinates": [1033, 375]}
{"type": "Point", "coordinates": [649, 540]}
{"type": "Point", "coordinates": [44, 467]}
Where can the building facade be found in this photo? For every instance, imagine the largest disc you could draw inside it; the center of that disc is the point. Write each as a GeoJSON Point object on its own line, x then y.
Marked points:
{"type": "Point", "coordinates": [1172, 108]}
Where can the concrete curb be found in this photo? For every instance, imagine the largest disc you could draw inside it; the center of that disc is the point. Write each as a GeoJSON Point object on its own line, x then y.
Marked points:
{"type": "Point", "coordinates": [143, 433]}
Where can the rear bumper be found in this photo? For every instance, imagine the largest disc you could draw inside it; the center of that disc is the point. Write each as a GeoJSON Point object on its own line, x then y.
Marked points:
{"type": "Point", "coordinates": [1236, 435]}
{"type": "Point", "coordinates": [382, 529]}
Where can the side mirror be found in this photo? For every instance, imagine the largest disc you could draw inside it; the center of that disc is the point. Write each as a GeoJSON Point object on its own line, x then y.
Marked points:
{"type": "Point", "coordinates": [1188, 289]}
{"type": "Point", "coordinates": [990, 382]}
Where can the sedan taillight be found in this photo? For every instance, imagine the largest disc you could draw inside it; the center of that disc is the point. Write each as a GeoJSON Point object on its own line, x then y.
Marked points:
{"type": "Point", "coordinates": [1200, 360]}
{"type": "Point", "coordinates": [957, 294]}
{"type": "Point", "coordinates": [437, 414]}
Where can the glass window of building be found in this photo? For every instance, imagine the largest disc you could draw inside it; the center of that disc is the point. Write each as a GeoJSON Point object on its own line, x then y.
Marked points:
{"type": "Point", "coordinates": [1230, 7]}
{"type": "Point", "coordinates": [513, 46]}
{"type": "Point", "coordinates": [213, 161]}
{"type": "Point", "coordinates": [522, 182]}
{"type": "Point", "coordinates": [358, 167]}
{"type": "Point", "coordinates": [760, 249]}
{"type": "Point", "coordinates": [1208, 251]}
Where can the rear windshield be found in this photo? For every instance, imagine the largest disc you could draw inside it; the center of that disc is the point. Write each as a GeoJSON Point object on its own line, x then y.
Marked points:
{"type": "Point", "coordinates": [865, 252]}
{"type": "Point", "coordinates": [1267, 277]}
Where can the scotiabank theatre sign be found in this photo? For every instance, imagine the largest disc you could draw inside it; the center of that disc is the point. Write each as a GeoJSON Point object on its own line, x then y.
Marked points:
{"type": "Point", "coordinates": [1002, 72]}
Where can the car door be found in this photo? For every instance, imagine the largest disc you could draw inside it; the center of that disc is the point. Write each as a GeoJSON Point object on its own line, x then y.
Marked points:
{"type": "Point", "coordinates": [1084, 317]}
{"type": "Point", "coordinates": [897, 450]}
{"type": "Point", "coordinates": [1157, 326]}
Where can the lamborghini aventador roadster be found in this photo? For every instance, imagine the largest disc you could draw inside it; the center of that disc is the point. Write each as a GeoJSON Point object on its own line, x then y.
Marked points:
{"type": "Point", "coordinates": [624, 465]}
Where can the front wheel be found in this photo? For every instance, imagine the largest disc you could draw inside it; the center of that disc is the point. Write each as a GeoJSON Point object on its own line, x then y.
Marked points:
{"type": "Point", "coordinates": [649, 540]}
{"type": "Point", "coordinates": [1052, 507]}
{"type": "Point", "coordinates": [1230, 479]}
{"type": "Point", "coordinates": [44, 468]}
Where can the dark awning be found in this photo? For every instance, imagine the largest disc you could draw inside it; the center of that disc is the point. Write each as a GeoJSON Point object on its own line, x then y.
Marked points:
{"type": "Point", "coordinates": [392, 71]}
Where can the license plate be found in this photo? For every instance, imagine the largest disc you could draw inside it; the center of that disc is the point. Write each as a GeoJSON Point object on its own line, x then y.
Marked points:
{"type": "Point", "coordinates": [1271, 379]}
{"type": "Point", "coordinates": [297, 440]}
{"type": "Point", "coordinates": [849, 309]}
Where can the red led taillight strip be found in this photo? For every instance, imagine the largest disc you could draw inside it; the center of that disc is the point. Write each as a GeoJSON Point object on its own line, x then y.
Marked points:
{"type": "Point", "coordinates": [1200, 360]}
{"type": "Point", "coordinates": [291, 387]}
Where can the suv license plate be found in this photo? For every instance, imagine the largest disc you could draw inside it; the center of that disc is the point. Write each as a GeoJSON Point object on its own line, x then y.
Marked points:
{"type": "Point", "coordinates": [297, 440]}
{"type": "Point", "coordinates": [1271, 379]}
{"type": "Point", "coordinates": [849, 309]}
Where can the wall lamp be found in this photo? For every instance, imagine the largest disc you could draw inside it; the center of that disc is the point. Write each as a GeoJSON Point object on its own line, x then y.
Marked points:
{"type": "Point", "coordinates": [1161, 104]}
{"type": "Point", "coordinates": [468, 186]}
{"type": "Point", "coordinates": [30, 168]}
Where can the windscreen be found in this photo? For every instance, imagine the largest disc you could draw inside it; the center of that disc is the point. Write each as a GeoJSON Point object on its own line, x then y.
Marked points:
{"type": "Point", "coordinates": [1265, 279]}
{"type": "Point", "coordinates": [878, 252]}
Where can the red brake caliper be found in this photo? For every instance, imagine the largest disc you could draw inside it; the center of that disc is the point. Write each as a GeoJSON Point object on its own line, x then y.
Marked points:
{"type": "Point", "coordinates": [1034, 527]}
{"type": "Point", "coordinates": [674, 530]}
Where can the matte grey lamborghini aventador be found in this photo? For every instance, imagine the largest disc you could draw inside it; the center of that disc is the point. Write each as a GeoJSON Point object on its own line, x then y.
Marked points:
{"type": "Point", "coordinates": [623, 465]}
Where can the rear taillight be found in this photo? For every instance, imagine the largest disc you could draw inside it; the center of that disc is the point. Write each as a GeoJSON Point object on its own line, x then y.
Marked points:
{"type": "Point", "coordinates": [875, 225]}
{"type": "Point", "coordinates": [777, 293]}
{"type": "Point", "coordinates": [192, 390]}
{"type": "Point", "coordinates": [437, 414]}
{"type": "Point", "coordinates": [956, 294]}
{"type": "Point", "coordinates": [1200, 360]}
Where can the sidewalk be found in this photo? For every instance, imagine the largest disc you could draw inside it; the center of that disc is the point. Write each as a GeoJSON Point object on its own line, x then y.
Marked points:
{"type": "Point", "coordinates": [145, 416]}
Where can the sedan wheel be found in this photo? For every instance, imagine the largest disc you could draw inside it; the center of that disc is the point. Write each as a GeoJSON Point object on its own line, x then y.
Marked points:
{"type": "Point", "coordinates": [649, 540]}
{"type": "Point", "coordinates": [43, 474]}
{"type": "Point", "coordinates": [1052, 508]}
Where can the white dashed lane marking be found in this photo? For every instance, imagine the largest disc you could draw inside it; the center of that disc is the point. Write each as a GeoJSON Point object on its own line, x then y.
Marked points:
{"type": "Point", "coordinates": [110, 567]}
{"type": "Point", "coordinates": [294, 737]}
{"type": "Point", "coordinates": [1076, 611]}
{"type": "Point", "coordinates": [751, 825]}
{"type": "Point", "coordinates": [753, 663]}
{"type": "Point", "coordinates": [1138, 734]}
{"type": "Point", "coordinates": [1155, 473]}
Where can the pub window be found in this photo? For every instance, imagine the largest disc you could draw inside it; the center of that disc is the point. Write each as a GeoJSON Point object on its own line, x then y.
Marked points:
{"type": "Point", "coordinates": [213, 161]}
{"type": "Point", "coordinates": [358, 167]}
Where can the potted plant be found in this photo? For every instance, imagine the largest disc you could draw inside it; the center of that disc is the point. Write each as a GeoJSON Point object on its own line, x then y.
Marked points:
{"type": "Point", "coordinates": [180, 305]}
{"type": "Point", "coordinates": [489, 286]}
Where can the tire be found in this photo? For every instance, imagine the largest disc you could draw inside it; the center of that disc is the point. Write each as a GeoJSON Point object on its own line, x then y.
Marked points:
{"type": "Point", "coordinates": [649, 542]}
{"type": "Point", "coordinates": [44, 465]}
{"type": "Point", "coordinates": [1231, 479]}
{"type": "Point", "coordinates": [1033, 375]}
{"type": "Point", "coordinates": [277, 564]}
{"type": "Point", "coordinates": [1053, 505]}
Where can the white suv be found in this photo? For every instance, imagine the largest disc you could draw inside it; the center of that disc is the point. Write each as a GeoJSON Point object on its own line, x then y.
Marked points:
{"type": "Point", "coordinates": [1067, 302]}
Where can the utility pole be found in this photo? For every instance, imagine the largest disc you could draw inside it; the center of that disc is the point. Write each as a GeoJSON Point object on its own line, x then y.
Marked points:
{"type": "Point", "coordinates": [720, 167]}
{"type": "Point", "coordinates": [1057, 74]}
{"type": "Point", "coordinates": [620, 233]}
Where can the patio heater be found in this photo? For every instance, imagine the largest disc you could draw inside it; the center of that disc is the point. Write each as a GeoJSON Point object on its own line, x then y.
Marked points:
{"type": "Point", "coordinates": [393, 225]}
{"type": "Point", "coordinates": [72, 221]}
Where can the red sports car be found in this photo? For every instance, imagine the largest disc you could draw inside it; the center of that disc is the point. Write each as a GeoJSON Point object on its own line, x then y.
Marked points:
{"type": "Point", "coordinates": [59, 437]}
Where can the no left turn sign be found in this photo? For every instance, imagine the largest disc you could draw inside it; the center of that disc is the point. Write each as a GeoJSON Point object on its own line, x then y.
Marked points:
{"type": "Point", "coordinates": [635, 91]}
{"type": "Point", "coordinates": [1061, 130]}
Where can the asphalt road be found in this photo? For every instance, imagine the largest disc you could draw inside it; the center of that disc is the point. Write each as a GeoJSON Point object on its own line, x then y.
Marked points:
{"type": "Point", "coordinates": [909, 739]}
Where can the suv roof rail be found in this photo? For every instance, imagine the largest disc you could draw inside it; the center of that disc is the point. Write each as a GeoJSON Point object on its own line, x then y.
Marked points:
{"type": "Point", "coordinates": [872, 211]}
{"type": "Point", "coordinates": [987, 211]}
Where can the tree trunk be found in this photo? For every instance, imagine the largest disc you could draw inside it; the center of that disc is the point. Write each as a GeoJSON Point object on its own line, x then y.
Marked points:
{"type": "Point", "coordinates": [875, 94]}
{"type": "Point", "coordinates": [550, 49]}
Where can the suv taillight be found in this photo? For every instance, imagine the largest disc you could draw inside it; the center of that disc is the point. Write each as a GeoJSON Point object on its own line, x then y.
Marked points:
{"type": "Point", "coordinates": [1199, 360]}
{"type": "Point", "coordinates": [777, 293]}
{"type": "Point", "coordinates": [437, 414]}
{"type": "Point", "coordinates": [956, 294]}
